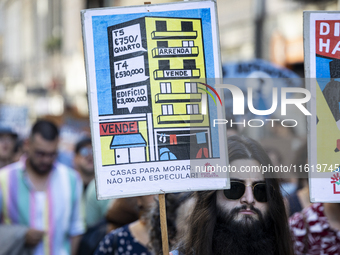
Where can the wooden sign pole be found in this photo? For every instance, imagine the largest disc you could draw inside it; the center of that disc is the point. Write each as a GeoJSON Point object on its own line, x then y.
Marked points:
{"type": "Point", "coordinates": [164, 227]}
{"type": "Point", "coordinates": [162, 213]}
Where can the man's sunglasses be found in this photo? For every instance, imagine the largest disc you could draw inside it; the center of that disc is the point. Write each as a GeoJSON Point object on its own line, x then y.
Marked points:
{"type": "Point", "coordinates": [237, 190]}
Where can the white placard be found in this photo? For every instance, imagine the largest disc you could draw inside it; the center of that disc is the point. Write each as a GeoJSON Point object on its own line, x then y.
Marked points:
{"type": "Point", "coordinates": [150, 133]}
{"type": "Point", "coordinates": [322, 56]}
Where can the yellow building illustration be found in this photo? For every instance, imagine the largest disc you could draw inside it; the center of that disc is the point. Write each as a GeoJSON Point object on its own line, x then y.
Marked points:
{"type": "Point", "coordinates": [170, 105]}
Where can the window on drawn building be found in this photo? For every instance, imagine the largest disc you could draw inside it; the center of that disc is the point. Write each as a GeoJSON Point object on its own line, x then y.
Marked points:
{"type": "Point", "coordinates": [187, 43]}
{"type": "Point", "coordinates": [167, 109]}
{"type": "Point", "coordinates": [161, 25]}
{"type": "Point", "coordinates": [162, 44]}
{"type": "Point", "coordinates": [187, 26]}
{"type": "Point", "coordinates": [165, 87]}
{"type": "Point", "coordinates": [164, 64]}
{"type": "Point", "coordinates": [192, 109]}
{"type": "Point", "coordinates": [190, 87]}
{"type": "Point", "coordinates": [189, 64]}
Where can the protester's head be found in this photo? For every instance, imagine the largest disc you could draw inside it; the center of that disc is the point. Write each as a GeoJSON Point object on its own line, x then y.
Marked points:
{"type": "Point", "coordinates": [246, 153]}
{"type": "Point", "coordinates": [42, 146]}
{"type": "Point", "coordinates": [248, 218]}
{"type": "Point", "coordinates": [145, 204]}
{"type": "Point", "coordinates": [7, 143]}
{"type": "Point", "coordinates": [83, 159]}
{"type": "Point", "coordinates": [18, 150]}
{"type": "Point", "coordinates": [178, 207]}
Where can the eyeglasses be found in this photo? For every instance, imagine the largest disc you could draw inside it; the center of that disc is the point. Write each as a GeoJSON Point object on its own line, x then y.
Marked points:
{"type": "Point", "coordinates": [237, 190]}
{"type": "Point", "coordinates": [85, 151]}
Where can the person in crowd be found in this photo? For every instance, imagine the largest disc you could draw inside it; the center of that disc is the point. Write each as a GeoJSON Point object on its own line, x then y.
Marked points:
{"type": "Point", "coordinates": [8, 138]}
{"type": "Point", "coordinates": [41, 196]}
{"type": "Point", "coordinates": [288, 185]}
{"type": "Point", "coordinates": [18, 150]}
{"type": "Point", "coordinates": [132, 238]}
{"type": "Point", "coordinates": [103, 216]}
{"type": "Point", "coordinates": [316, 229]}
{"type": "Point", "coordinates": [248, 218]}
{"type": "Point", "coordinates": [83, 160]}
{"type": "Point", "coordinates": [178, 208]}
{"type": "Point", "coordinates": [120, 212]}
{"type": "Point", "coordinates": [299, 199]}
{"type": "Point", "coordinates": [95, 210]}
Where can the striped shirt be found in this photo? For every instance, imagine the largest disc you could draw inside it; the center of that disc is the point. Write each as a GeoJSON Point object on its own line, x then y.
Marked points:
{"type": "Point", "coordinates": [56, 211]}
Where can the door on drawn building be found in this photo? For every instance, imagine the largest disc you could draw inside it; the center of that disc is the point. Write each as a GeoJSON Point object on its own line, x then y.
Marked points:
{"type": "Point", "coordinates": [137, 154]}
{"type": "Point", "coordinates": [122, 156]}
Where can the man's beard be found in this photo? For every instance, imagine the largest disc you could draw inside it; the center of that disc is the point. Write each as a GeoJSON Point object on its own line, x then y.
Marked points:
{"type": "Point", "coordinates": [244, 237]}
{"type": "Point", "coordinates": [46, 169]}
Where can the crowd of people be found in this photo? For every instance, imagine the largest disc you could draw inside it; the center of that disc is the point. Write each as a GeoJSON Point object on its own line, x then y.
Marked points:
{"type": "Point", "coordinates": [48, 208]}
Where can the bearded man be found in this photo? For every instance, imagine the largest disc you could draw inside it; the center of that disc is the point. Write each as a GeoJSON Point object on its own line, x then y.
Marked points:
{"type": "Point", "coordinates": [40, 199]}
{"type": "Point", "coordinates": [249, 218]}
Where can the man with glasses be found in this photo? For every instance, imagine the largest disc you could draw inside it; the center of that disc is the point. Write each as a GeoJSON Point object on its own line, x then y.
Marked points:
{"type": "Point", "coordinates": [83, 160]}
{"type": "Point", "coordinates": [93, 210]}
{"type": "Point", "coordinates": [40, 198]}
{"type": "Point", "coordinates": [248, 218]}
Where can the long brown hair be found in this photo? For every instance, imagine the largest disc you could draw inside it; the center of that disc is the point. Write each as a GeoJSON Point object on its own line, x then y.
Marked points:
{"type": "Point", "coordinates": [203, 218]}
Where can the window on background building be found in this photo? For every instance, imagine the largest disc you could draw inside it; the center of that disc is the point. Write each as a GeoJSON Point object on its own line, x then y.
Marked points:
{"type": "Point", "coordinates": [190, 87]}
{"type": "Point", "coordinates": [167, 109]}
{"type": "Point", "coordinates": [100, 3]}
{"type": "Point", "coordinates": [192, 109]}
{"type": "Point", "coordinates": [165, 87]}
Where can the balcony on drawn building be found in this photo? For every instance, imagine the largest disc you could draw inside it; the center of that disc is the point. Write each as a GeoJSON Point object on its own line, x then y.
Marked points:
{"type": "Point", "coordinates": [189, 94]}
{"type": "Point", "coordinates": [185, 33]}
{"type": "Point", "coordinates": [186, 50]}
{"type": "Point", "coordinates": [168, 117]}
{"type": "Point", "coordinates": [164, 72]}
{"type": "Point", "coordinates": [180, 118]}
{"type": "Point", "coordinates": [178, 98]}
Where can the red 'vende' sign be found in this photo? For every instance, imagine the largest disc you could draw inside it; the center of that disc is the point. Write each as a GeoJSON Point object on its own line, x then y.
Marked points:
{"type": "Point", "coordinates": [116, 128]}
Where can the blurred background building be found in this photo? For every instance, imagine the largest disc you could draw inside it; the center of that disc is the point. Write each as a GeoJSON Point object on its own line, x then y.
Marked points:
{"type": "Point", "coordinates": [42, 69]}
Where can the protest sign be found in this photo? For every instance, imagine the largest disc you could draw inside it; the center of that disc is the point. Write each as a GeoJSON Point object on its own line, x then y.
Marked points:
{"type": "Point", "coordinates": [152, 107]}
{"type": "Point", "coordinates": [322, 63]}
